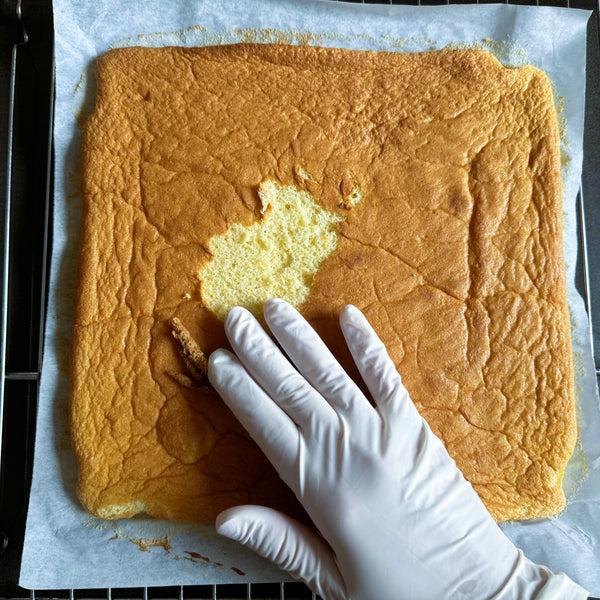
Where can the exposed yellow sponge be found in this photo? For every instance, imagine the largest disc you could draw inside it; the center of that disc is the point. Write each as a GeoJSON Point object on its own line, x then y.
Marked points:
{"type": "Point", "coordinates": [275, 257]}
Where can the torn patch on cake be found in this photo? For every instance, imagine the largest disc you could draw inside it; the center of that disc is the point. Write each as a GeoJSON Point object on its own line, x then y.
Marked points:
{"type": "Point", "coordinates": [277, 255]}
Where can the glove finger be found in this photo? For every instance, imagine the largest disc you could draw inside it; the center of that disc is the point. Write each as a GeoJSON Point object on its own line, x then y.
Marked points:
{"type": "Point", "coordinates": [314, 360]}
{"type": "Point", "coordinates": [375, 366]}
{"type": "Point", "coordinates": [287, 543]}
{"type": "Point", "coordinates": [271, 369]}
{"type": "Point", "coordinates": [267, 424]}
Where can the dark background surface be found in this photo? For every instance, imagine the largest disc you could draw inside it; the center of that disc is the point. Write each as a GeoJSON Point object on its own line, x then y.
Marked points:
{"type": "Point", "coordinates": [26, 46]}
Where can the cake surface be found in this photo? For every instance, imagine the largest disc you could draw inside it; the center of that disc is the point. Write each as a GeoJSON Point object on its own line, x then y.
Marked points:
{"type": "Point", "coordinates": [430, 184]}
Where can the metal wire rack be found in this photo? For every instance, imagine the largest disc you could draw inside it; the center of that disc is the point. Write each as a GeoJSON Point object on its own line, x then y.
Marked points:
{"type": "Point", "coordinates": [26, 116]}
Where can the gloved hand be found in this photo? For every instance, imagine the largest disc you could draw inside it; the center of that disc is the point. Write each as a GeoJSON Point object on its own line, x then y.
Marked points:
{"type": "Point", "coordinates": [396, 518]}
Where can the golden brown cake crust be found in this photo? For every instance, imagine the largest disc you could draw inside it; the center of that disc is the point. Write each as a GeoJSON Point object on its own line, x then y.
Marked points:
{"type": "Point", "coordinates": [454, 254]}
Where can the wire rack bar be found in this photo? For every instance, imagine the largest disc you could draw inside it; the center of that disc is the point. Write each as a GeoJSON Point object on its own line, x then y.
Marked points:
{"type": "Point", "coordinates": [22, 376]}
{"type": "Point", "coordinates": [209, 592]}
{"type": "Point", "coordinates": [6, 239]}
{"type": "Point", "coordinates": [587, 285]}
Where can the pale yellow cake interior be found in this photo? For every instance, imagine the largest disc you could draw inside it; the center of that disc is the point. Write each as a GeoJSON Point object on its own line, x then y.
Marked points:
{"type": "Point", "coordinates": [274, 257]}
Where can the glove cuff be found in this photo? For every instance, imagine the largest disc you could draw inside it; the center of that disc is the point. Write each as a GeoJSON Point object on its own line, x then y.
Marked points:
{"type": "Point", "coordinates": [529, 581]}
{"type": "Point", "coordinates": [559, 586]}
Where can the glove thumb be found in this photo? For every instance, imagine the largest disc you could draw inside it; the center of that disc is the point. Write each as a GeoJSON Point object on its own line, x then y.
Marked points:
{"type": "Point", "coordinates": [287, 543]}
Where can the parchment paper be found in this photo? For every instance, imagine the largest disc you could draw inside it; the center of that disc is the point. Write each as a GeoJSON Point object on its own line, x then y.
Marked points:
{"type": "Point", "coordinates": [65, 547]}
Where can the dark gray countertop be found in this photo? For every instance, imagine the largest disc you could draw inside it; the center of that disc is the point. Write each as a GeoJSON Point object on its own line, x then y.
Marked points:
{"type": "Point", "coordinates": [33, 120]}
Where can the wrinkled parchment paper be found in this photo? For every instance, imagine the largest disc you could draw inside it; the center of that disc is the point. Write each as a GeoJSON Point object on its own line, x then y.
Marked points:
{"type": "Point", "coordinates": [65, 547]}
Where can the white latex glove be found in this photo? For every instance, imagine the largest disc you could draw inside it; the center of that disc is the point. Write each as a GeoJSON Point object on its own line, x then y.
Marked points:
{"type": "Point", "coordinates": [395, 516]}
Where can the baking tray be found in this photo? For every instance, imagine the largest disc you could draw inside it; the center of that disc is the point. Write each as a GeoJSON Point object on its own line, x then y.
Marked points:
{"type": "Point", "coordinates": [26, 110]}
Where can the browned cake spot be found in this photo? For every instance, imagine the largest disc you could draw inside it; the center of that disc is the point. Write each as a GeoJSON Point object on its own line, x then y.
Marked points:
{"type": "Point", "coordinates": [195, 361]}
